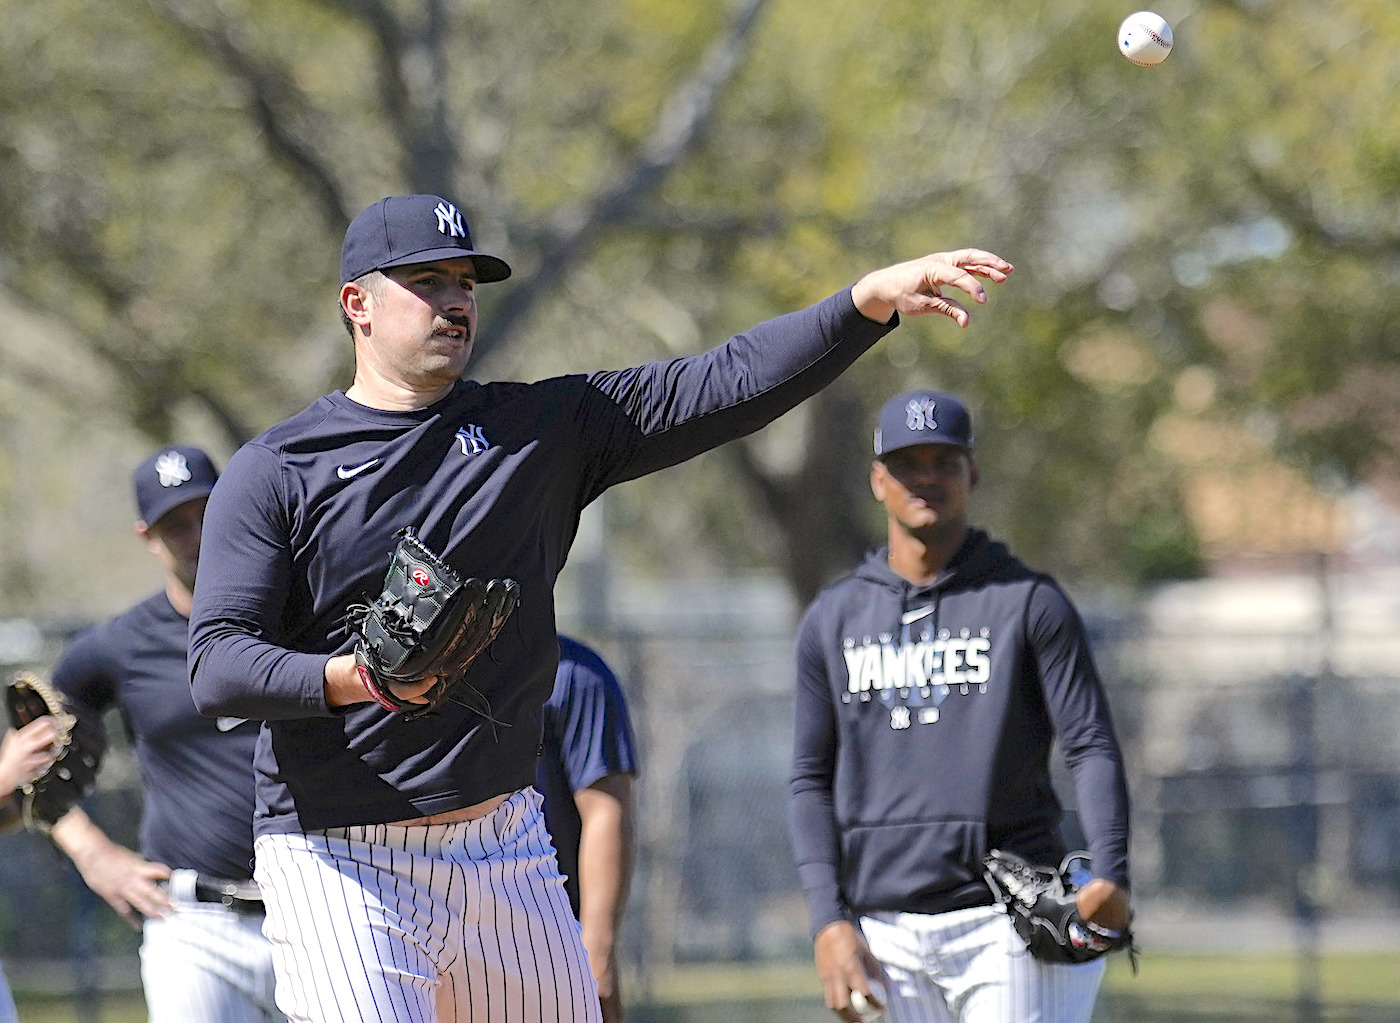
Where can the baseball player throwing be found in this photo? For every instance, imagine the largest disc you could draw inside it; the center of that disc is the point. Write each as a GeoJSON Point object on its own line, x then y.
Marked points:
{"type": "Point", "coordinates": [402, 854]}
{"type": "Point", "coordinates": [203, 956]}
{"type": "Point", "coordinates": [930, 684]}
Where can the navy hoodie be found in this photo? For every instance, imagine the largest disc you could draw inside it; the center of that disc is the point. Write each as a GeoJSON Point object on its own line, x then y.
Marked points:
{"type": "Point", "coordinates": [924, 719]}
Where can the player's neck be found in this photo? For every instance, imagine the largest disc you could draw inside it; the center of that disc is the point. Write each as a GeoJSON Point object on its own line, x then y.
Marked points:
{"type": "Point", "coordinates": [180, 596]}
{"type": "Point", "coordinates": [377, 393]}
{"type": "Point", "coordinates": [380, 387]}
{"type": "Point", "coordinates": [921, 557]}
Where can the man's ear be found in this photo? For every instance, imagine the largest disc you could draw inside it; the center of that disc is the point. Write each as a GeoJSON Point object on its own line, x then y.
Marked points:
{"type": "Point", "coordinates": [974, 475]}
{"type": "Point", "coordinates": [879, 477]}
{"type": "Point", "coordinates": [355, 301]}
{"type": "Point", "coordinates": [143, 530]}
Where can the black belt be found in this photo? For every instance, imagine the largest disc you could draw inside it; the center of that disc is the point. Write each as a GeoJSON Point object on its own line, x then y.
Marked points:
{"type": "Point", "coordinates": [240, 896]}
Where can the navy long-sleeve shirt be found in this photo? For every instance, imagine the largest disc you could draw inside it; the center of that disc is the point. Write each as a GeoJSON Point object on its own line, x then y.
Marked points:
{"type": "Point", "coordinates": [924, 719]}
{"type": "Point", "coordinates": [494, 476]}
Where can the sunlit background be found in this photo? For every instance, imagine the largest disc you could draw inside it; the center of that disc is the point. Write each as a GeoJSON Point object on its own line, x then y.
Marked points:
{"type": "Point", "coordinates": [1188, 400]}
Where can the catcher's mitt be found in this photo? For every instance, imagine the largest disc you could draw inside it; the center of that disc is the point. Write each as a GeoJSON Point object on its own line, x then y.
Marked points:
{"type": "Point", "coordinates": [77, 752]}
{"type": "Point", "coordinates": [1042, 907]}
{"type": "Point", "coordinates": [428, 621]}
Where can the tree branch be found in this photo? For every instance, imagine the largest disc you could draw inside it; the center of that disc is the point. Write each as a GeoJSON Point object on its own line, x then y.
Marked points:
{"type": "Point", "coordinates": [275, 103]}
{"type": "Point", "coordinates": [682, 122]}
{"type": "Point", "coordinates": [828, 535]}
{"type": "Point", "coordinates": [235, 427]}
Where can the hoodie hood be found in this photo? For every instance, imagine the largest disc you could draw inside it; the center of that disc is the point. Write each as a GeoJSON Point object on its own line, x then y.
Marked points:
{"type": "Point", "coordinates": [978, 560]}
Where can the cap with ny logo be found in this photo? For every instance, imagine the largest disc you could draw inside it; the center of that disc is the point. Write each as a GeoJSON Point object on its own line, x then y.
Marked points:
{"type": "Point", "coordinates": [922, 417]}
{"type": "Point", "coordinates": [404, 229]}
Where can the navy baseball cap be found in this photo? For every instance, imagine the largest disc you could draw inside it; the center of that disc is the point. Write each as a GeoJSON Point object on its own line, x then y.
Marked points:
{"type": "Point", "coordinates": [171, 477]}
{"type": "Point", "coordinates": [405, 229]}
{"type": "Point", "coordinates": [922, 417]}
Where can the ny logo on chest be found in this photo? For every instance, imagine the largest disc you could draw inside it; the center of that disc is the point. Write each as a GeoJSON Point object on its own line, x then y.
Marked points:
{"type": "Point", "coordinates": [473, 439]}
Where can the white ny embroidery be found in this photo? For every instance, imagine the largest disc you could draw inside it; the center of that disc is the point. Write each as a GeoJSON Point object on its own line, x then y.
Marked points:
{"type": "Point", "coordinates": [918, 414]}
{"type": "Point", "coordinates": [172, 469]}
{"type": "Point", "coordinates": [473, 440]}
{"type": "Point", "coordinates": [450, 220]}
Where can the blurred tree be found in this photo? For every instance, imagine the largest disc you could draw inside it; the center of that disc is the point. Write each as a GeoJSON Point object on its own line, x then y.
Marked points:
{"type": "Point", "coordinates": [1210, 241]}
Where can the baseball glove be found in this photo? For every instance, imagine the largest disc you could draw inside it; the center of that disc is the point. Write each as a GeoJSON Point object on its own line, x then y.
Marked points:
{"type": "Point", "coordinates": [1041, 904]}
{"type": "Point", "coordinates": [427, 622]}
{"type": "Point", "coordinates": [77, 752]}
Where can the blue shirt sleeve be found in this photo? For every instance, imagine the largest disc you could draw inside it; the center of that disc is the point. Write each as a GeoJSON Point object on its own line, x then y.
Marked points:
{"type": "Point", "coordinates": [587, 737]}
{"type": "Point", "coordinates": [1083, 726]}
{"type": "Point", "coordinates": [237, 668]}
{"type": "Point", "coordinates": [85, 675]}
{"type": "Point", "coordinates": [725, 393]}
{"type": "Point", "coordinates": [590, 717]}
{"type": "Point", "coordinates": [816, 841]}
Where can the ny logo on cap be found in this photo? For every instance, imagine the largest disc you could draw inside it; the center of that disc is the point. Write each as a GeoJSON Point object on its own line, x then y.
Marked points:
{"type": "Point", "coordinates": [172, 469]}
{"type": "Point", "coordinates": [918, 414]}
{"type": "Point", "coordinates": [450, 220]}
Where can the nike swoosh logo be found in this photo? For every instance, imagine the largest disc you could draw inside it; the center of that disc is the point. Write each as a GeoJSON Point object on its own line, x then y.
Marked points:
{"type": "Point", "coordinates": [910, 617]}
{"type": "Point", "coordinates": [349, 472]}
{"type": "Point", "coordinates": [229, 724]}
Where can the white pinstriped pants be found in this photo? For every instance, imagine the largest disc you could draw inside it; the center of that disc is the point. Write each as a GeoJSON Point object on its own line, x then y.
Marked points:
{"type": "Point", "coordinates": [443, 923]}
{"type": "Point", "coordinates": [970, 966]}
{"type": "Point", "coordinates": [204, 963]}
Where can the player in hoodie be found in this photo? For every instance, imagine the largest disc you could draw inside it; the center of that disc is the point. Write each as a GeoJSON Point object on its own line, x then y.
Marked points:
{"type": "Point", "coordinates": [931, 683]}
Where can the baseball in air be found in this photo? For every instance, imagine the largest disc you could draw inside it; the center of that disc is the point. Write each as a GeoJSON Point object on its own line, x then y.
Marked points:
{"type": "Point", "coordinates": [1145, 38]}
{"type": "Point", "coordinates": [869, 1008]}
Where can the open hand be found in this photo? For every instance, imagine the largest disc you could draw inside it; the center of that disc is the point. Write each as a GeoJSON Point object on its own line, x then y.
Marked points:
{"type": "Point", "coordinates": [915, 287]}
{"type": "Point", "coordinates": [128, 883]}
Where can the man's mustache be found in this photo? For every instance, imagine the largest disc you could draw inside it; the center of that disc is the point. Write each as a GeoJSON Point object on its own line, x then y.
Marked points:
{"type": "Point", "coordinates": [443, 323]}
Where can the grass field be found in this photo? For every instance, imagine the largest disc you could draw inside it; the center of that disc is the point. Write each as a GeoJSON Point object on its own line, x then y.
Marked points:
{"type": "Point", "coordinates": [1355, 988]}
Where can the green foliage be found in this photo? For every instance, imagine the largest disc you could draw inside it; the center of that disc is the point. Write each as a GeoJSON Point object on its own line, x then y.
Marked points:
{"type": "Point", "coordinates": [176, 174]}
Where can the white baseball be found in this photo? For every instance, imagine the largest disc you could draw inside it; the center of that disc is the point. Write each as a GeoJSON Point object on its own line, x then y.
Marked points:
{"type": "Point", "coordinates": [1145, 38]}
{"type": "Point", "coordinates": [869, 1008]}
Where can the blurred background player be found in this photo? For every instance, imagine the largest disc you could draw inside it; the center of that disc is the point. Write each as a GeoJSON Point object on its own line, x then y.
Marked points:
{"type": "Point", "coordinates": [585, 776]}
{"type": "Point", "coordinates": [25, 753]}
{"type": "Point", "coordinates": [203, 957]}
{"type": "Point", "coordinates": [930, 685]}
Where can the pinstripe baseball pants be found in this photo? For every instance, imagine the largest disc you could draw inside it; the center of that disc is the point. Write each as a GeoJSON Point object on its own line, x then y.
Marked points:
{"type": "Point", "coordinates": [206, 962]}
{"type": "Point", "coordinates": [969, 966]}
{"type": "Point", "coordinates": [446, 923]}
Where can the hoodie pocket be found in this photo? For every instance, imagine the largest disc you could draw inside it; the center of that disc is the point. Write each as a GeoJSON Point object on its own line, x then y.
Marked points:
{"type": "Point", "coordinates": [915, 866]}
